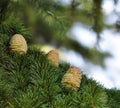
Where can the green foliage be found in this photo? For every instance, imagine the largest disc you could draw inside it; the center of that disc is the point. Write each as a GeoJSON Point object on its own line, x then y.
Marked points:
{"type": "Point", "coordinates": [114, 98]}
{"type": "Point", "coordinates": [4, 4]}
{"type": "Point", "coordinates": [98, 17]}
{"type": "Point", "coordinates": [30, 81]}
{"type": "Point", "coordinates": [10, 28]}
{"type": "Point", "coordinates": [91, 95]}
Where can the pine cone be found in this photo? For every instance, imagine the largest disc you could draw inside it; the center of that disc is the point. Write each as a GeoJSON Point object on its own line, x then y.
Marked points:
{"type": "Point", "coordinates": [53, 56]}
{"type": "Point", "coordinates": [18, 44]}
{"type": "Point", "coordinates": [72, 78]}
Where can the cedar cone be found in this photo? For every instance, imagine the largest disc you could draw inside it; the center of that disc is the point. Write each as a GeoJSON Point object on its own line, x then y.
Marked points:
{"type": "Point", "coordinates": [18, 44]}
{"type": "Point", "coordinates": [72, 78]}
{"type": "Point", "coordinates": [53, 56]}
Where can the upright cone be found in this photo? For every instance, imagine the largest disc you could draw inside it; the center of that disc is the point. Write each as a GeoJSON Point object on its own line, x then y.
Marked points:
{"type": "Point", "coordinates": [53, 56]}
{"type": "Point", "coordinates": [18, 44]}
{"type": "Point", "coordinates": [72, 78]}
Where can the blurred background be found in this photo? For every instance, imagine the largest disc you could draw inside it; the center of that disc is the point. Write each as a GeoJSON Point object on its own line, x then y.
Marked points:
{"type": "Point", "coordinates": [86, 33]}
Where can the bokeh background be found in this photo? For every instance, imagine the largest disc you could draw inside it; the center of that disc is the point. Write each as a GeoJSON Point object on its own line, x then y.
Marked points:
{"type": "Point", "coordinates": [86, 33]}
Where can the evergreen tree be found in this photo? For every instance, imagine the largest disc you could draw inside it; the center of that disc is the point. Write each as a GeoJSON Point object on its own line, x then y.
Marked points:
{"type": "Point", "coordinates": [49, 22]}
{"type": "Point", "coordinates": [31, 79]}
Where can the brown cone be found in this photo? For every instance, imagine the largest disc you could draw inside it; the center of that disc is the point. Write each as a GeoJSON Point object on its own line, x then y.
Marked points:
{"type": "Point", "coordinates": [53, 56]}
{"type": "Point", "coordinates": [72, 78]}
